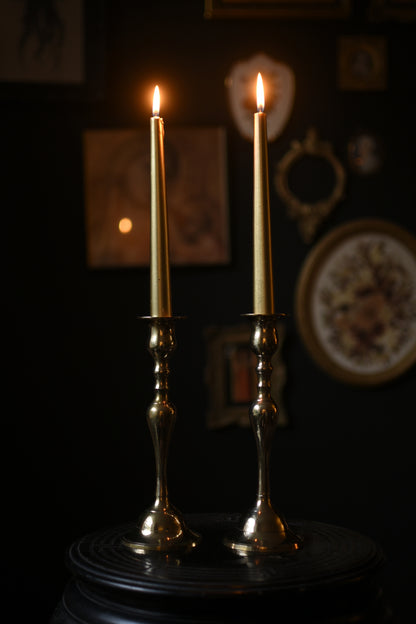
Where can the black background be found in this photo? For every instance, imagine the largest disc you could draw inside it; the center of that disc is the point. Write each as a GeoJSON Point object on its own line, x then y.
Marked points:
{"type": "Point", "coordinates": [78, 454]}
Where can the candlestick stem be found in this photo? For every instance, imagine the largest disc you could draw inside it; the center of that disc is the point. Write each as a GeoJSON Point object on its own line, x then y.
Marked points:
{"type": "Point", "coordinates": [161, 527]}
{"type": "Point", "coordinates": [264, 530]}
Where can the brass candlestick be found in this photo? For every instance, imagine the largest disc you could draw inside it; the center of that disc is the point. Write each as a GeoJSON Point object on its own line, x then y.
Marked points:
{"type": "Point", "coordinates": [264, 530]}
{"type": "Point", "coordinates": [161, 528]}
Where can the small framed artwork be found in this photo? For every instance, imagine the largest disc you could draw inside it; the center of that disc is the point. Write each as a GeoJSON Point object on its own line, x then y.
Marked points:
{"type": "Point", "coordinates": [356, 302]}
{"type": "Point", "coordinates": [42, 42]}
{"type": "Point", "coordinates": [398, 10]}
{"type": "Point", "coordinates": [231, 376]}
{"type": "Point", "coordinates": [294, 9]}
{"type": "Point", "coordinates": [362, 63]}
{"type": "Point", "coordinates": [52, 50]}
{"type": "Point", "coordinates": [365, 153]}
{"type": "Point", "coordinates": [117, 196]}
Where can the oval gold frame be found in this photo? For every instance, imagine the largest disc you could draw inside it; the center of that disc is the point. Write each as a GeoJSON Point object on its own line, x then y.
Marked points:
{"type": "Point", "coordinates": [309, 215]}
{"type": "Point", "coordinates": [305, 287]}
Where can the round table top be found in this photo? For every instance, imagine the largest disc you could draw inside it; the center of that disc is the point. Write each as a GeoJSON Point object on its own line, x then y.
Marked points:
{"type": "Point", "coordinates": [330, 556]}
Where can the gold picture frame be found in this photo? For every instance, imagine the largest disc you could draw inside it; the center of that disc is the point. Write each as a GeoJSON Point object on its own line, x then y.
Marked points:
{"type": "Point", "coordinates": [318, 9]}
{"type": "Point", "coordinates": [355, 302]}
{"type": "Point", "coordinates": [230, 376]}
{"type": "Point", "coordinates": [362, 63]}
{"type": "Point", "coordinates": [398, 10]}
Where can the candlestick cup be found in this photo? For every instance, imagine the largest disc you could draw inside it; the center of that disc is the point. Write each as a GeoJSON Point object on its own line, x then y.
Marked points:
{"type": "Point", "coordinates": [264, 530]}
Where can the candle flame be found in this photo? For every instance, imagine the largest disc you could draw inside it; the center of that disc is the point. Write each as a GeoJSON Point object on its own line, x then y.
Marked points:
{"type": "Point", "coordinates": [260, 94]}
{"type": "Point", "coordinates": [156, 102]}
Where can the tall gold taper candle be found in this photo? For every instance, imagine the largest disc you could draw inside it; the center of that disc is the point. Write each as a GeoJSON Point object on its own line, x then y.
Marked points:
{"type": "Point", "coordinates": [263, 300]}
{"type": "Point", "coordinates": [160, 298]}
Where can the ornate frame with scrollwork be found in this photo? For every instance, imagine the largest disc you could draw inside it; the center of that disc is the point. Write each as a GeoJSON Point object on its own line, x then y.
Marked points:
{"type": "Point", "coordinates": [309, 215]}
{"type": "Point", "coordinates": [335, 9]}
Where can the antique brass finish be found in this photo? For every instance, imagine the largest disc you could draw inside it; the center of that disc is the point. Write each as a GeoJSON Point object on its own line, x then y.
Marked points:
{"type": "Point", "coordinates": [264, 530]}
{"type": "Point", "coordinates": [309, 215]}
{"type": "Point", "coordinates": [161, 528]}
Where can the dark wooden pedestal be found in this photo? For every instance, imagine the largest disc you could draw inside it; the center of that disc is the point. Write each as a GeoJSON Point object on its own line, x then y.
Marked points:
{"type": "Point", "coordinates": [333, 579]}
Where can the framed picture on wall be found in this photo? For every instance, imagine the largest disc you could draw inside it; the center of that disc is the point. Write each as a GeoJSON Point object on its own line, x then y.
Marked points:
{"type": "Point", "coordinates": [398, 10]}
{"type": "Point", "coordinates": [231, 376]}
{"type": "Point", "coordinates": [365, 153]}
{"type": "Point", "coordinates": [52, 50]}
{"type": "Point", "coordinates": [319, 9]}
{"type": "Point", "coordinates": [356, 302]}
{"type": "Point", "coordinates": [117, 196]}
{"type": "Point", "coordinates": [362, 63]}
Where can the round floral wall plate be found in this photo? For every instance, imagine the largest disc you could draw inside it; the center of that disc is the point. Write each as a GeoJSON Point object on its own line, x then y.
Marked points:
{"type": "Point", "coordinates": [356, 302]}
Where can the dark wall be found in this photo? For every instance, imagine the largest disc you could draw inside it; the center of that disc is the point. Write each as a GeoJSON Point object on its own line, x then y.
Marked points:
{"type": "Point", "coordinates": [79, 455]}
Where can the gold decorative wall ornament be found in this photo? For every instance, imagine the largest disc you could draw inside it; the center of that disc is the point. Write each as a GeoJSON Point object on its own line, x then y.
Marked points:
{"type": "Point", "coordinates": [309, 214]}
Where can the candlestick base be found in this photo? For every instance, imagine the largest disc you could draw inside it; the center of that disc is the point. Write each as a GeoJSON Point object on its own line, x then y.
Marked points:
{"type": "Point", "coordinates": [161, 529]}
{"type": "Point", "coordinates": [264, 531]}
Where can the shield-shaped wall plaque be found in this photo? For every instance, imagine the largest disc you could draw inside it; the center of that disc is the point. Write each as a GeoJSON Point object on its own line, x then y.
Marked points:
{"type": "Point", "coordinates": [279, 87]}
